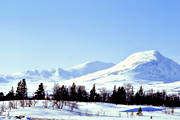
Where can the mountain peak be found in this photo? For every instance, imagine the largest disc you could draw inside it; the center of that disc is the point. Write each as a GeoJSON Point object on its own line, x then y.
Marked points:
{"type": "Point", "coordinates": [145, 67]}
{"type": "Point", "coordinates": [91, 63]}
{"type": "Point", "coordinates": [146, 55]}
{"type": "Point", "coordinates": [139, 58]}
{"type": "Point", "coordinates": [150, 65]}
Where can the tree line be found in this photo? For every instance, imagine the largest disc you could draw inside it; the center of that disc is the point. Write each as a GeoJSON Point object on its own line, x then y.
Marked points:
{"type": "Point", "coordinates": [120, 95]}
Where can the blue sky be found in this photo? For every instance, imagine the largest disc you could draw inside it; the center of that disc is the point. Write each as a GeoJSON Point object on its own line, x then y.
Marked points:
{"type": "Point", "coordinates": [41, 34]}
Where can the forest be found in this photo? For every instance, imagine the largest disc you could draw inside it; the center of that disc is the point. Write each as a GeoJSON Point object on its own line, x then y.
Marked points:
{"type": "Point", "coordinates": [119, 95]}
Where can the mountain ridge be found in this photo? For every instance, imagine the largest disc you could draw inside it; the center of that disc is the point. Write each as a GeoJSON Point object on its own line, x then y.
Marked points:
{"type": "Point", "coordinates": [145, 67]}
{"type": "Point", "coordinates": [60, 73]}
{"type": "Point", "coordinates": [149, 69]}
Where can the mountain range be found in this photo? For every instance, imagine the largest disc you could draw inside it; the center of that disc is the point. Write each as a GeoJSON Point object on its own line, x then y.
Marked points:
{"type": "Point", "coordinates": [59, 73]}
{"type": "Point", "coordinates": [148, 68]}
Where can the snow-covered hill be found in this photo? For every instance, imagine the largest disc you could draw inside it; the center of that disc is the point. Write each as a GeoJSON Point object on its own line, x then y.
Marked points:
{"type": "Point", "coordinates": [149, 65]}
{"type": "Point", "coordinates": [59, 73]}
{"type": "Point", "coordinates": [149, 69]}
{"type": "Point", "coordinates": [146, 68]}
{"type": "Point", "coordinates": [83, 69]}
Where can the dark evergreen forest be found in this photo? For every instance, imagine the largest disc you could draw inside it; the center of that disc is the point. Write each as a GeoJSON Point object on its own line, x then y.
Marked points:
{"type": "Point", "coordinates": [119, 95]}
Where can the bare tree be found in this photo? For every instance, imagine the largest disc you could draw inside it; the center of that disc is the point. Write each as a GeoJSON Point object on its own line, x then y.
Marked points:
{"type": "Point", "coordinates": [34, 102]}
{"type": "Point", "coordinates": [11, 105]}
{"type": "Point", "coordinates": [3, 107]}
{"type": "Point", "coordinates": [45, 103]}
{"type": "Point", "coordinates": [22, 103]}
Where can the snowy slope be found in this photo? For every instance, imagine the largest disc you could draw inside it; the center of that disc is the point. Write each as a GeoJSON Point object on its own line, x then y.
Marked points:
{"type": "Point", "coordinates": [90, 111]}
{"type": "Point", "coordinates": [150, 65]}
{"type": "Point", "coordinates": [149, 69]}
{"type": "Point", "coordinates": [143, 68]}
{"type": "Point", "coordinates": [59, 73]}
{"type": "Point", "coordinates": [83, 69]}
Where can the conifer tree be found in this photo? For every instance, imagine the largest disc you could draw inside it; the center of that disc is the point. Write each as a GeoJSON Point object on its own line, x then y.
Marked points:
{"type": "Point", "coordinates": [11, 94]}
{"type": "Point", "coordinates": [24, 89]}
{"type": "Point", "coordinates": [40, 93]}
{"type": "Point", "coordinates": [1, 96]}
{"type": "Point", "coordinates": [21, 92]}
{"type": "Point", "coordinates": [56, 92]}
{"type": "Point", "coordinates": [18, 91]}
{"type": "Point", "coordinates": [93, 94]}
{"type": "Point", "coordinates": [63, 93]}
{"type": "Point", "coordinates": [121, 95]}
{"type": "Point", "coordinates": [139, 96]}
{"type": "Point", "coordinates": [114, 95]}
{"type": "Point", "coordinates": [81, 94]}
{"type": "Point", "coordinates": [73, 93]}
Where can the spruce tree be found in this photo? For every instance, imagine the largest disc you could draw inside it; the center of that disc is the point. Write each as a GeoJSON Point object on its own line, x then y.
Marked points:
{"type": "Point", "coordinates": [10, 95]}
{"type": "Point", "coordinates": [56, 92]}
{"type": "Point", "coordinates": [19, 91]}
{"type": "Point", "coordinates": [121, 95]}
{"type": "Point", "coordinates": [114, 95]}
{"type": "Point", "coordinates": [63, 93]}
{"type": "Point", "coordinates": [92, 97]}
{"type": "Point", "coordinates": [1, 96]}
{"type": "Point", "coordinates": [81, 94]}
{"type": "Point", "coordinates": [73, 93]}
{"type": "Point", "coordinates": [40, 93]}
{"type": "Point", "coordinates": [24, 89]}
{"type": "Point", "coordinates": [139, 96]}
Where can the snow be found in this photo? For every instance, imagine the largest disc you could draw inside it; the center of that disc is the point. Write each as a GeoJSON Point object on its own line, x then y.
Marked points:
{"type": "Point", "coordinates": [91, 111]}
{"type": "Point", "coordinates": [90, 67]}
{"type": "Point", "coordinates": [149, 69]}
{"type": "Point", "coordinates": [59, 73]}
{"type": "Point", "coordinates": [136, 59]}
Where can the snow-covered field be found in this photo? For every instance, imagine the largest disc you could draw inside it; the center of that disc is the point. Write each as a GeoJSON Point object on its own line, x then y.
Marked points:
{"type": "Point", "coordinates": [149, 69]}
{"type": "Point", "coordinates": [89, 111]}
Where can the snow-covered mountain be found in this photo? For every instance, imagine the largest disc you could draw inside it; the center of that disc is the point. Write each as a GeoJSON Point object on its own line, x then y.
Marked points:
{"type": "Point", "coordinates": [149, 69]}
{"type": "Point", "coordinates": [142, 68]}
{"type": "Point", "coordinates": [149, 65]}
{"type": "Point", "coordinates": [83, 69]}
{"type": "Point", "coordinates": [59, 73]}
